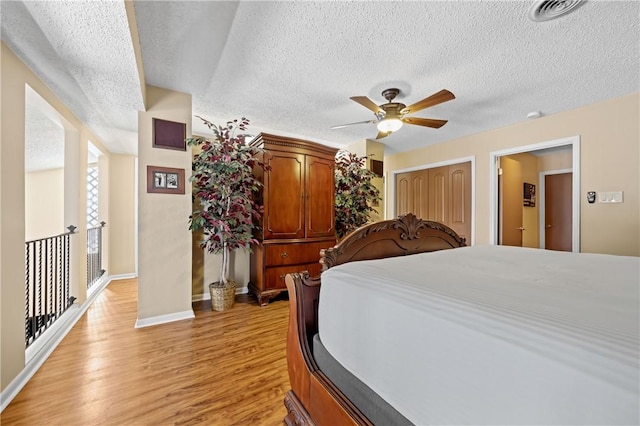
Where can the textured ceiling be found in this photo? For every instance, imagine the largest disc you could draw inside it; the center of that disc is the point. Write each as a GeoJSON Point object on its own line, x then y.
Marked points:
{"type": "Point", "coordinates": [291, 67]}
{"type": "Point", "coordinates": [44, 148]}
{"type": "Point", "coordinates": [83, 51]}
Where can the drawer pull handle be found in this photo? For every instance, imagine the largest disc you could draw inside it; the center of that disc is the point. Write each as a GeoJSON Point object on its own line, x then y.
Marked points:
{"type": "Point", "coordinates": [284, 254]}
{"type": "Point", "coordinates": [282, 276]}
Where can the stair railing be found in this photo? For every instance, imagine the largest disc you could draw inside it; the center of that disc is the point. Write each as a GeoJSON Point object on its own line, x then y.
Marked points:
{"type": "Point", "coordinates": [47, 278]}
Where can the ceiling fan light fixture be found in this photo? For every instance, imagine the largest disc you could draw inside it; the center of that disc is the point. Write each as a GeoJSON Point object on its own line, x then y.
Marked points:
{"type": "Point", "coordinates": [389, 124]}
{"type": "Point", "coordinates": [546, 10]}
{"type": "Point", "coordinates": [391, 116]}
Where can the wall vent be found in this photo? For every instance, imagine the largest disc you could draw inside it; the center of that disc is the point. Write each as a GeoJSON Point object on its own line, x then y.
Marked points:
{"type": "Point", "coordinates": [545, 10]}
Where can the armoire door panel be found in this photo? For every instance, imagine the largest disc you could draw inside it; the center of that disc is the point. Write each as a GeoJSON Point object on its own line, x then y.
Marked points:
{"type": "Point", "coordinates": [319, 197]}
{"type": "Point", "coordinates": [285, 189]}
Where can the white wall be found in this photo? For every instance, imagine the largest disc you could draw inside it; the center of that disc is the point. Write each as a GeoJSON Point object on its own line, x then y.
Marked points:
{"type": "Point", "coordinates": [610, 161]}
{"type": "Point", "coordinates": [44, 204]}
{"type": "Point", "coordinates": [164, 239]}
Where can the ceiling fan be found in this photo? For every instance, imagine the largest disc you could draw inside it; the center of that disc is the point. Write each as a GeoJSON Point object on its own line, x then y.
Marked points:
{"type": "Point", "coordinates": [390, 116]}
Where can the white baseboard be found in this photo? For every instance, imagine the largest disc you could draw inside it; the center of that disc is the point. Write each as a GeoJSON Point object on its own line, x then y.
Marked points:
{"type": "Point", "coordinates": [207, 296]}
{"type": "Point", "coordinates": [122, 276]}
{"type": "Point", "coordinates": [162, 319]}
{"type": "Point", "coordinates": [96, 289]}
{"type": "Point", "coordinates": [39, 351]}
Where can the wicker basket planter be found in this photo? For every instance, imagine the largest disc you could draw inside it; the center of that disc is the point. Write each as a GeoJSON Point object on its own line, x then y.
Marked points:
{"type": "Point", "coordinates": [222, 296]}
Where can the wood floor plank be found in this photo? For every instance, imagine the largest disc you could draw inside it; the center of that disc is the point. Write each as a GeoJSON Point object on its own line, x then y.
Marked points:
{"type": "Point", "coordinates": [221, 368]}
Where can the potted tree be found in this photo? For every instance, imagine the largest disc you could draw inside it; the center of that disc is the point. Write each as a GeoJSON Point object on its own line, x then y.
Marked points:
{"type": "Point", "coordinates": [224, 187]}
{"type": "Point", "coordinates": [355, 193]}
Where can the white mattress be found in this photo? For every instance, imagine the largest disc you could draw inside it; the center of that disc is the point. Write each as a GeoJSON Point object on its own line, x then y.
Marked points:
{"type": "Point", "coordinates": [491, 334]}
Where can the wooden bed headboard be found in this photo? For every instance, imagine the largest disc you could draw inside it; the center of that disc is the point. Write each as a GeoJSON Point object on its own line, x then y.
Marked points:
{"type": "Point", "coordinates": [314, 399]}
{"type": "Point", "coordinates": [389, 238]}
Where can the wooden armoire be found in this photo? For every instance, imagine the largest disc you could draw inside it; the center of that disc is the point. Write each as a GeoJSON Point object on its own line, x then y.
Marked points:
{"type": "Point", "coordinates": [299, 218]}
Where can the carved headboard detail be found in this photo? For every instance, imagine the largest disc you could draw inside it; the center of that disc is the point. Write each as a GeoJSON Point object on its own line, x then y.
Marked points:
{"type": "Point", "coordinates": [396, 237]}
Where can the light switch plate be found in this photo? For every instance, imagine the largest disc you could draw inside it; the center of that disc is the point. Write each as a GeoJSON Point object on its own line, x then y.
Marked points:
{"type": "Point", "coordinates": [611, 197]}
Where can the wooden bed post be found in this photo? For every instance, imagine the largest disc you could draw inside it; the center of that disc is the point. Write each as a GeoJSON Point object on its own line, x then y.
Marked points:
{"type": "Point", "coordinates": [299, 356]}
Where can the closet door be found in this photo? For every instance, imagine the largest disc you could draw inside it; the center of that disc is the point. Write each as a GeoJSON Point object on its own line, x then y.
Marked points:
{"type": "Point", "coordinates": [459, 215]}
{"type": "Point", "coordinates": [439, 194]}
{"type": "Point", "coordinates": [404, 199]}
{"type": "Point", "coordinates": [420, 190]}
{"type": "Point", "coordinates": [412, 194]}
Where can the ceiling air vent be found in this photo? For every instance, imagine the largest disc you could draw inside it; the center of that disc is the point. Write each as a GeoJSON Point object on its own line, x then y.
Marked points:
{"type": "Point", "coordinates": [545, 10]}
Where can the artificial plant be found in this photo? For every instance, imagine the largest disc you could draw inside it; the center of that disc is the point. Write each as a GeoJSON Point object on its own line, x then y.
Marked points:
{"type": "Point", "coordinates": [224, 189]}
{"type": "Point", "coordinates": [355, 193]}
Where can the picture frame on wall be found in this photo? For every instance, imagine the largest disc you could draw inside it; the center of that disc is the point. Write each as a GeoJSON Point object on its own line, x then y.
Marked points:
{"type": "Point", "coordinates": [529, 198]}
{"type": "Point", "coordinates": [165, 180]}
{"type": "Point", "coordinates": [169, 135]}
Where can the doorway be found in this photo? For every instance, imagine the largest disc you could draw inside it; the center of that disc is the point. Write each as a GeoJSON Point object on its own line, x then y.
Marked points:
{"type": "Point", "coordinates": [507, 226]}
{"type": "Point", "coordinates": [511, 218]}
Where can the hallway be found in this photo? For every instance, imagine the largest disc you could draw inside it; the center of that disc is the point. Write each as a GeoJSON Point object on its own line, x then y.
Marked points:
{"type": "Point", "coordinates": [221, 368]}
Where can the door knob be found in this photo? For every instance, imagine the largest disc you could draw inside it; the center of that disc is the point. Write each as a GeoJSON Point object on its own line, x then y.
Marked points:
{"type": "Point", "coordinates": [521, 228]}
{"type": "Point", "coordinates": [548, 226]}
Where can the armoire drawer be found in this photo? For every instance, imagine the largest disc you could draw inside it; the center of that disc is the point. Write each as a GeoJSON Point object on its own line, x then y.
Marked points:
{"type": "Point", "coordinates": [274, 277]}
{"type": "Point", "coordinates": [295, 253]}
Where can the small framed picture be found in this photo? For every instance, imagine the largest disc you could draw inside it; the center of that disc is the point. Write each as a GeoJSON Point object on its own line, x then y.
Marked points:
{"type": "Point", "coordinates": [172, 180]}
{"type": "Point", "coordinates": [529, 198]}
{"type": "Point", "coordinates": [169, 135]}
{"type": "Point", "coordinates": [165, 180]}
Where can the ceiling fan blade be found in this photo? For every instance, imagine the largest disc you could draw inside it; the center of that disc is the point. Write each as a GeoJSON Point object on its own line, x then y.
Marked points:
{"type": "Point", "coordinates": [367, 103]}
{"type": "Point", "coordinates": [435, 99]}
{"type": "Point", "coordinates": [381, 135]}
{"type": "Point", "coordinates": [340, 126]}
{"type": "Point", "coordinates": [427, 122]}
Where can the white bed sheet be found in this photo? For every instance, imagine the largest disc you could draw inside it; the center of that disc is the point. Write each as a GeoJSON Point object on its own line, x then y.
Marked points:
{"type": "Point", "coordinates": [491, 334]}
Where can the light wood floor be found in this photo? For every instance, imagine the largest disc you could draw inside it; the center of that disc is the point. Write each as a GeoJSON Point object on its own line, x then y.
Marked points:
{"type": "Point", "coordinates": [221, 368]}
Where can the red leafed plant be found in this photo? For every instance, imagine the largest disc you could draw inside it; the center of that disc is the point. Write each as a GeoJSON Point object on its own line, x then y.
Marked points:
{"type": "Point", "coordinates": [224, 189]}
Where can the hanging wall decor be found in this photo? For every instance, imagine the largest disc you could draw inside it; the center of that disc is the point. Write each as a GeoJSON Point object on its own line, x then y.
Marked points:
{"type": "Point", "coordinates": [165, 180]}
{"type": "Point", "coordinates": [529, 195]}
{"type": "Point", "coordinates": [169, 135]}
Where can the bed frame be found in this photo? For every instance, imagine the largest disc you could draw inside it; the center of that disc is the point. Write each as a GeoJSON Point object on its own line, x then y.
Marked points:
{"type": "Point", "coordinates": [313, 398]}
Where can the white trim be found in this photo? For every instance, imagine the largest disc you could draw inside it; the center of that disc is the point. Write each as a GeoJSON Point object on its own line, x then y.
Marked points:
{"type": "Point", "coordinates": [39, 351]}
{"type": "Point", "coordinates": [200, 297]}
{"type": "Point", "coordinates": [122, 277]}
{"type": "Point", "coordinates": [472, 159]}
{"type": "Point", "coordinates": [97, 287]}
{"type": "Point", "coordinates": [50, 338]}
{"type": "Point", "coordinates": [541, 201]}
{"type": "Point", "coordinates": [207, 296]}
{"type": "Point", "coordinates": [135, 214]}
{"type": "Point", "coordinates": [574, 142]}
{"type": "Point", "coordinates": [163, 319]}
